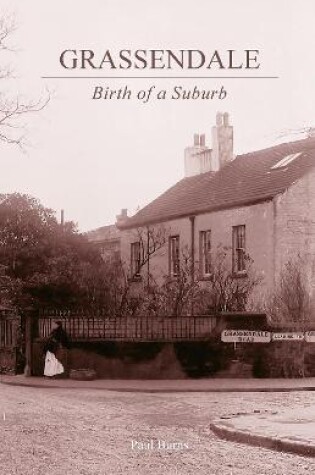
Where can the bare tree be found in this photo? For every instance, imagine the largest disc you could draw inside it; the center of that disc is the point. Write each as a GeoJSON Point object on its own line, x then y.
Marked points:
{"type": "Point", "coordinates": [290, 304]}
{"type": "Point", "coordinates": [14, 109]}
{"type": "Point", "coordinates": [227, 290]}
{"type": "Point", "coordinates": [223, 290]}
{"type": "Point", "coordinates": [187, 292]}
{"type": "Point", "coordinates": [175, 295]}
{"type": "Point", "coordinates": [150, 239]}
{"type": "Point", "coordinates": [289, 308]}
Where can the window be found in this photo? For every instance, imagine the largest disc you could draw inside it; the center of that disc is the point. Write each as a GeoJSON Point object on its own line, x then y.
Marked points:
{"type": "Point", "coordinates": [135, 259]}
{"type": "Point", "coordinates": [205, 252]}
{"type": "Point", "coordinates": [239, 264]}
{"type": "Point", "coordinates": [286, 160]}
{"type": "Point", "coordinates": [174, 255]}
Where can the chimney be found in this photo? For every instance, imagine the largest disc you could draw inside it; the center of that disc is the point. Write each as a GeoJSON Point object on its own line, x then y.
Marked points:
{"type": "Point", "coordinates": [197, 157]}
{"type": "Point", "coordinates": [122, 217]}
{"type": "Point", "coordinates": [196, 140]}
{"type": "Point", "coordinates": [222, 141]}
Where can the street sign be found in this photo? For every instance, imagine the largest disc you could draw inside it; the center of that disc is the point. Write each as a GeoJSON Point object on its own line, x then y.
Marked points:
{"type": "Point", "coordinates": [288, 336]}
{"type": "Point", "coordinates": [245, 336]}
{"type": "Point", "coordinates": [259, 336]}
{"type": "Point", "coordinates": [310, 336]}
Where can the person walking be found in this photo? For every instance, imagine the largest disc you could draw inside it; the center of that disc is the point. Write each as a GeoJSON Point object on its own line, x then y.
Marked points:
{"type": "Point", "coordinates": [55, 350]}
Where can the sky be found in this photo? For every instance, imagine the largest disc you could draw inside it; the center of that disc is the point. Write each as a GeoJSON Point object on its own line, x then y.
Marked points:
{"type": "Point", "coordinates": [94, 157]}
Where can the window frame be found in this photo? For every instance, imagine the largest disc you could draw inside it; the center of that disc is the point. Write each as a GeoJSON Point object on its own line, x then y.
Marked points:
{"type": "Point", "coordinates": [205, 257]}
{"type": "Point", "coordinates": [135, 264]}
{"type": "Point", "coordinates": [174, 264]}
{"type": "Point", "coordinates": [239, 248]}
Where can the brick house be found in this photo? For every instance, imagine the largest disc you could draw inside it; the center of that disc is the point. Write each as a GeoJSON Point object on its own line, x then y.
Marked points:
{"type": "Point", "coordinates": [261, 204]}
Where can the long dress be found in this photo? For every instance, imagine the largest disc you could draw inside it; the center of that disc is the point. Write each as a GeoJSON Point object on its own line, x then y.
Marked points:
{"type": "Point", "coordinates": [56, 340]}
{"type": "Point", "coordinates": [52, 365]}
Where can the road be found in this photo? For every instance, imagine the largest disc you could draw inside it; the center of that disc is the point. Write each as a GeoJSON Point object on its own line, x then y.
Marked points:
{"type": "Point", "coordinates": [93, 432]}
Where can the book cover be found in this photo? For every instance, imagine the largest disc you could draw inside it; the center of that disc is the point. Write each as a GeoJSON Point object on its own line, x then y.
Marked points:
{"type": "Point", "coordinates": [157, 237]}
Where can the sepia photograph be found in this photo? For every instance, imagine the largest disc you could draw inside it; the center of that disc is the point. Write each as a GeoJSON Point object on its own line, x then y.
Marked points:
{"type": "Point", "coordinates": [157, 237]}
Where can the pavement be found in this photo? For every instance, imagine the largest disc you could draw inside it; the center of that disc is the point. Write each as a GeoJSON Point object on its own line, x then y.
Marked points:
{"type": "Point", "coordinates": [287, 430]}
{"type": "Point", "coordinates": [168, 385]}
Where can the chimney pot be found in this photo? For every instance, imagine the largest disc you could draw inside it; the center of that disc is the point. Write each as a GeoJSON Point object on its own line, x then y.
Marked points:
{"type": "Point", "coordinates": [122, 216]}
{"type": "Point", "coordinates": [196, 140]}
{"type": "Point", "coordinates": [222, 141]}
{"type": "Point", "coordinates": [219, 119]}
{"type": "Point", "coordinates": [202, 140]}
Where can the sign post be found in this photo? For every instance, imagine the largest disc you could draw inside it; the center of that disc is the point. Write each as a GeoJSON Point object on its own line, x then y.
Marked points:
{"type": "Point", "coordinates": [310, 337]}
{"type": "Point", "coordinates": [288, 336]}
{"type": "Point", "coordinates": [245, 336]}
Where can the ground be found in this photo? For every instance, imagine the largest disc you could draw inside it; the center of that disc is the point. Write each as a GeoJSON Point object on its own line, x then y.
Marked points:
{"type": "Point", "coordinates": [90, 432]}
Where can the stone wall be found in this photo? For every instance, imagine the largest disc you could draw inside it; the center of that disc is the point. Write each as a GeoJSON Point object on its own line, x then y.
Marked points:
{"type": "Point", "coordinates": [295, 226]}
{"type": "Point", "coordinates": [187, 360]}
{"type": "Point", "coordinates": [143, 360]}
{"type": "Point", "coordinates": [8, 361]}
{"type": "Point", "coordinates": [285, 360]}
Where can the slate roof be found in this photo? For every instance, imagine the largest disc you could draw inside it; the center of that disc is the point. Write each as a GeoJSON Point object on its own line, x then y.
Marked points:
{"type": "Point", "coordinates": [247, 180]}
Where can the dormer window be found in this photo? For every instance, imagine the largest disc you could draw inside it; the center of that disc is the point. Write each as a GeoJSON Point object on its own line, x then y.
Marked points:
{"type": "Point", "coordinates": [286, 160]}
